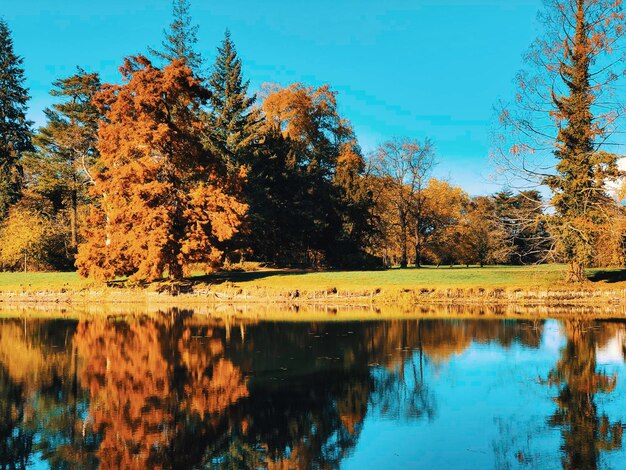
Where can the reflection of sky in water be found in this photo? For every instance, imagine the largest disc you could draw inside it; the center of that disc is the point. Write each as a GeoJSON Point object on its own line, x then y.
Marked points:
{"type": "Point", "coordinates": [491, 411]}
{"type": "Point", "coordinates": [461, 403]}
{"type": "Point", "coordinates": [613, 351]}
{"type": "Point", "coordinates": [610, 360]}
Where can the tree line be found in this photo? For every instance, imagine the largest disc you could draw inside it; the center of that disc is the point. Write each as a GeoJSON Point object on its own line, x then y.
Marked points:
{"type": "Point", "coordinates": [180, 167]}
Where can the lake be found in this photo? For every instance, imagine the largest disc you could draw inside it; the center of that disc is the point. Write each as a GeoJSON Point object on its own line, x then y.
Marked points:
{"type": "Point", "coordinates": [181, 391]}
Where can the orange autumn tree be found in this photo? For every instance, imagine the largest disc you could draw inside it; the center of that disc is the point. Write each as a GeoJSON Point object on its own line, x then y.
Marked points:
{"type": "Point", "coordinates": [214, 382]}
{"type": "Point", "coordinates": [128, 378]}
{"type": "Point", "coordinates": [153, 386]}
{"type": "Point", "coordinates": [163, 200]}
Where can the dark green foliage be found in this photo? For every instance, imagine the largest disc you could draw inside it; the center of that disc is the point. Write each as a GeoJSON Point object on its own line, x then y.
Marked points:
{"type": "Point", "coordinates": [352, 223]}
{"type": "Point", "coordinates": [309, 205]}
{"type": "Point", "coordinates": [234, 123]}
{"type": "Point", "coordinates": [275, 203]}
{"type": "Point", "coordinates": [234, 130]}
{"type": "Point", "coordinates": [581, 202]}
{"type": "Point", "coordinates": [15, 128]}
{"type": "Point", "coordinates": [180, 40]}
{"type": "Point", "coordinates": [300, 219]}
{"type": "Point", "coordinates": [66, 148]}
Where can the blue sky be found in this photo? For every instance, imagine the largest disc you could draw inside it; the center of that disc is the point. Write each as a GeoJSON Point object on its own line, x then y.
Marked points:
{"type": "Point", "coordinates": [415, 68]}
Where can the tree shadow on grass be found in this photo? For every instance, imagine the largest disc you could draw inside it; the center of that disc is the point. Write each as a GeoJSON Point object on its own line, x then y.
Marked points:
{"type": "Point", "coordinates": [609, 276]}
{"type": "Point", "coordinates": [243, 276]}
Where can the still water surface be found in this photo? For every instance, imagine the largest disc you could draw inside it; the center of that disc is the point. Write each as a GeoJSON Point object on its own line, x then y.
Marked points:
{"type": "Point", "coordinates": [184, 391]}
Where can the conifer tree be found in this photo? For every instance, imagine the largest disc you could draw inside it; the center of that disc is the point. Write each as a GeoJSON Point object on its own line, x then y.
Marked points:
{"type": "Point", "coordinates": [67, 146]}
{"type": "Point", "coordinates": [234, 124]}
{"type": "Point", "coordinates": [582, 170]}
{"type": "Point", "coordinates": [566, 105]}
{"type": "Point", "coordinates": [15, 128]}
{"type": "Point", "coordinates": [163, 201]}
{"type": "Point", "coordinates": [181, 39]}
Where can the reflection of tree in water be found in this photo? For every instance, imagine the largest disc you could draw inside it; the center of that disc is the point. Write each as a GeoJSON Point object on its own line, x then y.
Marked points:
{"type": "Point", "coordinates": [310, 415]}
{"type": "Point", "coordinates": [444, 338]}
{"type": "Point", "coordinates": [585, 434]}
{"type": "Point", "coordinates": [179, 391]}
{"type": "Point", "coordinates": [397, 387]}
{"type": "Point", "coordinates": [16, 443]}
{"type": "Point", "coordinates": [152, 391]}
{"type": "Point", "coordinates": [39, 385]}
{"type": "Point", "coordinates": [310, 389]}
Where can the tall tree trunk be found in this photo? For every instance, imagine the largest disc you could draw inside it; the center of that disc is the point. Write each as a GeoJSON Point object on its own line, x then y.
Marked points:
{"type": "Point", "coordinates": [175, 271]}
{"type": "Point", "coordinates": [418, 246]}
{"type": "Point", "coordinates": [74, 219]}
{"type": "Point", "coordinates": [576, 272]}
{"type": "Point", "coordinates": [404, 261]}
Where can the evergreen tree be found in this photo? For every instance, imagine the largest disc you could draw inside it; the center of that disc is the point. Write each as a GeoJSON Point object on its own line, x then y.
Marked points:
{"type": "Point", "coordinates": [579, 197]}
{"type": "Point", "coordinates": [67, 146]}
{"type": "Point", "coordinates": [180, 40]}
{"type": "Point", "coordinates": [15, 128]}
{"type": "Point", "coordinates": [276, 216]}
{"type": "Point", "coordinates": [235, 125]}
{"type": "Point", "coordinates": [566, 104]}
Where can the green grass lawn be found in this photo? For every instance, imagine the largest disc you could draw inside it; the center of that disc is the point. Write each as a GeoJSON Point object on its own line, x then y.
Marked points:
{"type": "Point", "coordinates": [544, 276]}
{"type": "Point", "coordinates": [20, 281]}
{"type": "Point", "coordinates": [426, 277]}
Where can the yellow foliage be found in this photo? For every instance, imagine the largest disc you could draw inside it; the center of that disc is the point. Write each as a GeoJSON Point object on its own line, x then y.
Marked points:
{"type": "Point", "coordinates": [24, 236]}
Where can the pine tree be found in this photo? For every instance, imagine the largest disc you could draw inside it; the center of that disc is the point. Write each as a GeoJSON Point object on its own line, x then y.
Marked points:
{"type": "Point", "coordinates": [566, 105]}
{"type": "Point", "coordinates": [234, 124]}
{"type": "Point", "coordinates": [580, 198]}
{"type": "Point", "coordinates": [15, 128]}
{"type": "Point", "coordinates": [180, 40]}
{"type": "Point", "coordinates": [67, 146]}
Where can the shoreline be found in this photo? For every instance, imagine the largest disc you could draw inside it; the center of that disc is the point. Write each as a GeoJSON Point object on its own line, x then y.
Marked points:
{"type": "Point", "coordinates": [173, 296]}
{"type": "Point", "coordinates": [245, 313]}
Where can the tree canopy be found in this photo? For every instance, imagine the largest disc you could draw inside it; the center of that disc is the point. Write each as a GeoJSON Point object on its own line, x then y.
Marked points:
{"type": "Point", "coordinates": [565, 106]}
{"type": "Point", "coordinates": [15, 128]}
{"type": "Point", "coordinates": [162, 197]}
{"type": "Point", "coordinates": [180, 40]}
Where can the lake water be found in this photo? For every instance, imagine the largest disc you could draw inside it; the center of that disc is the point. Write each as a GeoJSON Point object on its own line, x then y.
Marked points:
{"type": "Point", "coordinates": [187, 391]}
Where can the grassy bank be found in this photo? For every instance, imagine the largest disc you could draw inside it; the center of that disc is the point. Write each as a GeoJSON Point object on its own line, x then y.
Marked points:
{"type": "Point", "coordinates": [37, 282]}
{"type": "Point", "coordinates": [443, 277]}
{"type": "Point", "coordinates": [525, 284]}
{"type": "Point", "coordinates": [427, 277]}
{"type": "Point", "coordinates": [235, 313]}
